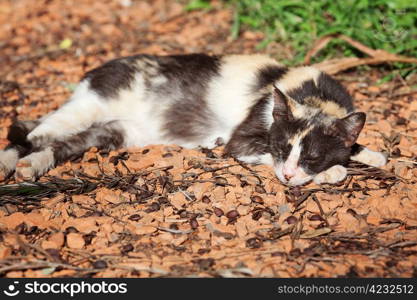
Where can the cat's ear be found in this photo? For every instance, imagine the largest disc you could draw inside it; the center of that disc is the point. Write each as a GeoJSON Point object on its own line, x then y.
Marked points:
{"type": "Point", "coordinates": [281, 108]}
{"type": "Point", "coordinates": [348, 128]}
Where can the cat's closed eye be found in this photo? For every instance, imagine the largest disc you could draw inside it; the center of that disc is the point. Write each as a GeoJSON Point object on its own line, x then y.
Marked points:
{"type": "Point", "coordinates": [281, 150]}
{"type": "Point", "coordinates": [312, 158]}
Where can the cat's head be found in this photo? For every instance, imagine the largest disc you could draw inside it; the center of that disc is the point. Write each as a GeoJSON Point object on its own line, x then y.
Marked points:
{"type": "Point", "coordinates": [304, 140]}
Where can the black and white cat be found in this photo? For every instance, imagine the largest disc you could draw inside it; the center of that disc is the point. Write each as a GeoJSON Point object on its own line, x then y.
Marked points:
{"type": "Point", "coordinates": [298, 120]}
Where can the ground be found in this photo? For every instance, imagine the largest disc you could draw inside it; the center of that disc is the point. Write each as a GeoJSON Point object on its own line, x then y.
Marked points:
{"type": "Point", "coordinates": [166, 211]}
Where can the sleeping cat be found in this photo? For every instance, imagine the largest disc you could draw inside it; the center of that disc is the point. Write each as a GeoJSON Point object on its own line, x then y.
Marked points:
{"type": "Point", "coordinates": [298, 120]}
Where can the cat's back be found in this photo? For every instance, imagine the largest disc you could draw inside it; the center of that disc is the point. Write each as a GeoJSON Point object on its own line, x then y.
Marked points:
{"type": "Point", "coordinates": [203, 88]}
{"type": "Point", "coordinates": [181, 98]}
{"type": "Point", "coordinates": [221, 86]}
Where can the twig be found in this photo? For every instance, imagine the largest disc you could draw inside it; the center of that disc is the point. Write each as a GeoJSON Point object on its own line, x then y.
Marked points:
{"type": "Point", "coordinates": [334, 66]}
{"type": "Point", "coordinates": [37, 264]}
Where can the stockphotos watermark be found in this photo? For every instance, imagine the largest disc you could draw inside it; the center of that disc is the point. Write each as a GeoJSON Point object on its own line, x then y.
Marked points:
{"type": "Point", "coordinates": [72, 289]}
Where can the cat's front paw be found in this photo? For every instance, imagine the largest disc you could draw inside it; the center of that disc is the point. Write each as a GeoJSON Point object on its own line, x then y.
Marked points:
{"type": "Point", "coordinates": [377, 160]}
{"type": "Point", "coordinates": [8, 159]}
{"type": "Point", "coordinates": [332, 175]}
{"type": "Point", "coordinates": [24, 171]}
{"type": "Point", "coordinates": [4, 172]}
{"type": "Point", "coordinates": [370, 158]}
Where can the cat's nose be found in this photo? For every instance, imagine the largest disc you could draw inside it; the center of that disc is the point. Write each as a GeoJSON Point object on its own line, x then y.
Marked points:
{"type": "Point", "coordinates": [288, 176]}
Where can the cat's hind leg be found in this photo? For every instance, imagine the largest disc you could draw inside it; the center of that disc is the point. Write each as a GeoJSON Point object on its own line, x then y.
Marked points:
{"type": "Point", "coordinates": [364, 155]}
{"type": "Point", "coordinates": [74, 119]}
{"type": "Point", "coordinates": [84, 108]}
{"type": "Point", "coordinates": [107, 136]}
{"type": "Point", "coordinates": [8, 160]}
{"type": "Point", "coordinates": [19, 146]}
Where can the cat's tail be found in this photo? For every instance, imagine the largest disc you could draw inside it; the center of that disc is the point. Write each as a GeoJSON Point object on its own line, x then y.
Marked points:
{"type": "Point", "coordinates": [84, 108]}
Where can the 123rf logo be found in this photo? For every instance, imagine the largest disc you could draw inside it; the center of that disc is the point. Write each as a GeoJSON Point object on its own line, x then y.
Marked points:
{"type": "Point", "coordinates": [71, 289]}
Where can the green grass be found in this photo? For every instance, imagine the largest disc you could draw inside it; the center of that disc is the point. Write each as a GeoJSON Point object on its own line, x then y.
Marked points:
{"type": "Point", "coordinates": [197, 4]}
{"type": "Point", "coordinates": [380, 24]}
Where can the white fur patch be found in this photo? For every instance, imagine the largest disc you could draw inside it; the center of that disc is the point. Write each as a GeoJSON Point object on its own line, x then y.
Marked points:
{"type": "Point", "coordinates": [159, 80]}
{"type": "Point", "coordinates": [267, 117]}
{"type": "Point", "coordinates": [292, 160]}
{"type": "Point", "coordinates": [8, 160]}
{"type": "Point", "coordinates": [230, 95]}
{"type": "Point", "coordinates": [265, 159]}
{"type": "Point", "coordinates": [139, 113]}
{"type": "Point", "coordinates": [332, 175]}
{"type": "Point", "coordinates": [290, 172]}
{"type": "Point", "coordinates": [295, 77]}
{"type": "Point", "coordinates": [371, 158]}
{"type": "Point", "coordinates": [300, 111]}
{"type": "Point", "coordinates": [83, 108]}
{"type": "Point", "coordinates": [34, 164]}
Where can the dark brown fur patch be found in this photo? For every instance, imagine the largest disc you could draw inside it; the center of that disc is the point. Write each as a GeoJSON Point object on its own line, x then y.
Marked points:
{"type": "Point", "coordinates": [108, 79]}
{"type": "Point", "coordinates": [321, 151]}
{"type": "Point", "coordinates": [348, 128]}
{"type": "Point", "coordinates": [17, 136]}
{"type": "Point", "coordinates": [188, 76]}
{"type": "Point", "coordinates": [268, 75]}
{"type": "Point", "coordinates": [251, 136]}
{"type": "Point", "coordinates": [107, 136]}
{"type": "Point", "coordinates": [327, 89]}
{"type": "Point", "coordinates": [281, 133]}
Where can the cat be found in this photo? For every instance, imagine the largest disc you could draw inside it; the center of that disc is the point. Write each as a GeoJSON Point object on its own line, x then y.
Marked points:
{"type": "Point", "coordinates": [298, 120]}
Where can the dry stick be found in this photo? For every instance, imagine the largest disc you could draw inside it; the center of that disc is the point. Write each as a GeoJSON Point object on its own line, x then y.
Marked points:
{"type": "Point", "coordinates": [407, 161]}
{"type": "Point", "coordinates": [124, 165]}
{"type": "Point", "coordinates": [216, 169]}
{"type": "Point", "coordinates": [27, 246]}
{"type": "Point", "coordinates": [321, 209]}
{"type": "Point", "coordinates": [363, 48]}
{"type": "Point", "coordinates": [102, 213]}
{"type": "Point", "coordinates": [384, 229]}
{"type": "Point", "coordinates": [43, 264]}
{"type": "Point", "coordinates": [295, 234]}
{"type": "Point", "coordinates": [252, 172]}
{"type": "Point", "coordinates": [334, 66]}
{"type": "Point", "coordinates": [185, 195]}
{"type": "Point", "coordinates": [375, 172]}
{"type": "Point", "coordinates": [303, 198]}
{"type": "Point", "coordinates": [278, 234]}
{"type": "Point", "coordinates": [403, 244]}
{"type": "Point", "coordinates": [341, 191]}
{"type": "Point", "coordinates": [318, 45]}
{"type": "Point", "coordinates": [350, 178]}
{"type": "Point", "coordinates": [402, 94]}
{"type": "Point", "coordinates": [142, 173]}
